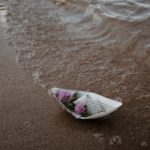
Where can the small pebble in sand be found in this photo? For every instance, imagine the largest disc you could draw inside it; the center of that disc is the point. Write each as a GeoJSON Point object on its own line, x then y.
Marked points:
{"type": "Point", "coordinates": [27, 124]}
{"type": "Point", "coordinates": [144, 144]}
{"type": "Point", "coordinates": [119, 99]}
{"type": "Point", "coordinates": [115, 140]}
{"type": "Point", "coordinates": [100, 137]}
{"type": "Point", "coordinates": [97, 135]}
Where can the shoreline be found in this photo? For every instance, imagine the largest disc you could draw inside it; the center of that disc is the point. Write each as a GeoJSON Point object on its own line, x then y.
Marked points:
{"type": "Point", "coordinates": [31, 120]}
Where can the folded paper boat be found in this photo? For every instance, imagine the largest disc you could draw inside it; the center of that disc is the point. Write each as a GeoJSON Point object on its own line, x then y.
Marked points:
{"type": "Point", "coordinates": [84, 105]}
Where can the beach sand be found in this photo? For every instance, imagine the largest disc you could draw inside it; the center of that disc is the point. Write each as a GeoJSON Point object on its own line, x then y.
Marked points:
{"type": "Point", "coordinates": [31, 120]}
{"type": "Point", "coordinates": [23, 106]}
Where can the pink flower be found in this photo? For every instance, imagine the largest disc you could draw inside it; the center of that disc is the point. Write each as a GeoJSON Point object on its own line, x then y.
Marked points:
{"type": "Point", "coordinates": [79, 108]}
{"type": "Point", "coordinates": [63, 95]}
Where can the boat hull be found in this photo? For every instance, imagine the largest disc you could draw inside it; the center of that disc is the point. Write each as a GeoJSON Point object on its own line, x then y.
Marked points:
{"type": "Point", "coordinates": [109, 105]}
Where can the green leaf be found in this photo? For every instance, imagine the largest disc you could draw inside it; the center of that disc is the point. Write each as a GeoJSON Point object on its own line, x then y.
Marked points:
{"type": "Point", "coordinates": [69, 105]}
{"type": "Point", "coordinates": [85, 114]}
{"type": "Point", "coordinates": [75, 97]}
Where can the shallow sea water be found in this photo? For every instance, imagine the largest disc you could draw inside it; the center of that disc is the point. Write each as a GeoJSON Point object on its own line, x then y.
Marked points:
{"type": "Point", "coordinates": [96, 45]}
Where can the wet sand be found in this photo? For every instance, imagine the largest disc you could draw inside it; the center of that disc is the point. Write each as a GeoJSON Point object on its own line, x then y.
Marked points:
{"type": "Point", "coordinates": [30, 120]}
{"type": "Point", "coordinates": [24, 107]}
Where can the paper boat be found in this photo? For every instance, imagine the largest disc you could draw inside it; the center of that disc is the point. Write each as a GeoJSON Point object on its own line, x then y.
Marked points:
{"type": "Point", "coordinates": [97, 106]}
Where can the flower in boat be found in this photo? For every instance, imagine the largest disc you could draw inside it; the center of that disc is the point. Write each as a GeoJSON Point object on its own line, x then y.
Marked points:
{"type": "Point", "coordinates": [79, 108]}
{"type": "Point", "coordinates": [63, 96]}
